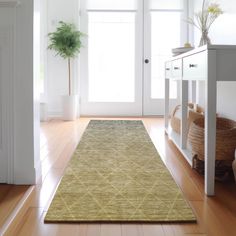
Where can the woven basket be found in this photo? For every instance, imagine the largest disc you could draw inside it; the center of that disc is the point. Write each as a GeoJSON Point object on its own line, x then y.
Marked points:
{"type": "Point", "coordinates": [223, 169]}
{"type": "Point", "coordinates": [225, 138]}
{"type": "Point", "coordinates": [192, 115]}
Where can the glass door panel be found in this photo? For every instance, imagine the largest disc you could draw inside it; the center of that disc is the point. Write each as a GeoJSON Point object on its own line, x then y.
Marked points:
{"type": "Point", "coordinates": [162, 41]}
{"type": "Point", "coordinates": [163, 30]}
{"type": "Point", "coordinates": [111, 56]}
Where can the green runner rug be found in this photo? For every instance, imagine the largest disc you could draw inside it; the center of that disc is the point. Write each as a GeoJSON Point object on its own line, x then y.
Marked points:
{"type": "Point", "coordinates": [116, 175]}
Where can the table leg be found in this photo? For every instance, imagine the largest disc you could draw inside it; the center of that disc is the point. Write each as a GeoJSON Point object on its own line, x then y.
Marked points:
{"type": "Point", "coordinates": [184, 113]}
{"type": "Point", "coordinates": [167, 91]}
{"type": "Point", "coordinates": [210, 125]}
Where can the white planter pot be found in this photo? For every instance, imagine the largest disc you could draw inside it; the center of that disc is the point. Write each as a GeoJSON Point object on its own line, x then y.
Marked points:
{"type": "Point", "coordinates": [43, 112]}
{"type": "Point", "coordinates": [69, 107]}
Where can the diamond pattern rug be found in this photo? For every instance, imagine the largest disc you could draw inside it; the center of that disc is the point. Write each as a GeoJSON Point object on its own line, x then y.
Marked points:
{"type": "Point", "coordinates": [116, 175]}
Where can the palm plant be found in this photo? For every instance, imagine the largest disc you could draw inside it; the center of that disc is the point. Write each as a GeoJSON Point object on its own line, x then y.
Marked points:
{"type": "Point", "coordinates": [66, 41]}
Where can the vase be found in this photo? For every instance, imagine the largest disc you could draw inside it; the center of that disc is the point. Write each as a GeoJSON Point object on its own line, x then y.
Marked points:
{"type": "Point", "coordinates": [204, 38]}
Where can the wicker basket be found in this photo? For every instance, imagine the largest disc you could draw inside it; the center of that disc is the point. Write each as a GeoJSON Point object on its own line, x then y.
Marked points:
{"type": "Point", "coordinates": [223, 169]}
{"type": "Point", "coordinates": [225, 138]}
{"type": "Point", "coordinates": [192, 115]}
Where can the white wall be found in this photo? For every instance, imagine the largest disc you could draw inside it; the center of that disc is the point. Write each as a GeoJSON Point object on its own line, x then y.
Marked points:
{"type": "Point", "coordinates": [27, 166]}
{"type": "Point", "coordinates": [57, 70]}
{"type": "Point", "coordinates": [223, 31]}
{"type": "Point", "coordinates": [20, 106]}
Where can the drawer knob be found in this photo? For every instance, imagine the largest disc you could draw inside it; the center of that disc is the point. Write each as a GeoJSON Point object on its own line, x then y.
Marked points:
{"type": "Point", "coordinates": [176, 68]}
{"type": "Point", "coordinates": [167, 69]}
{"type": "Point", "coordinates": [192, 65]}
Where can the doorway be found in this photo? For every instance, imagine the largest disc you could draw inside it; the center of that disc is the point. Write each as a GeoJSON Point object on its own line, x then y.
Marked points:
{"type": "Point", "coordinates": [127, 43]}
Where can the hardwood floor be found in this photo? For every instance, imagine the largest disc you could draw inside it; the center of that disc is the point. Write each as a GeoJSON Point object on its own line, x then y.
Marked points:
{"type": "Point", "coordinates": [216, 215]}
{"type": "Point", "coordinates": [10, 196]}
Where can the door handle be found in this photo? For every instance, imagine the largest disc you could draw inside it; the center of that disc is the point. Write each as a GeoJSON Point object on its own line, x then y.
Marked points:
{"type": "Point", "coordinates": [146, 61]}
{"type": "Point", "coordinates": [192, 65]}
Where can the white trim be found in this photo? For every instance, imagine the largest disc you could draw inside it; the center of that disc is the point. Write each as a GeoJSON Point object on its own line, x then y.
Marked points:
{"type": "Point", "coordinates": [10, 175]}
{"type": "Point", "coordinates": [106, 10]}
{"type": "Point", "coordinates": [7, 34]}
{"type": "Point", "coordinates": [166, 10]}
{"type": "Point", "coordinates": [20, 103]}
{"type": "Point", "coordinates": [9, 3]}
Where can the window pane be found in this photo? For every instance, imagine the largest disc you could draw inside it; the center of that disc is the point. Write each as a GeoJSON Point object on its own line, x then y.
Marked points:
{"type": "Point", "coordinates": [112, 4]}
{"type": "Point", "coordinates": [111, 39]}
{"type": "Point", "coordinates": [166, 4]}
{"type": "Point", "coordinates": [163, 41]}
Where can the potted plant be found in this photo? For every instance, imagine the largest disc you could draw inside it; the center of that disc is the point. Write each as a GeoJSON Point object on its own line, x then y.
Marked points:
{"type": "Point", "coordinates": [66, 42]}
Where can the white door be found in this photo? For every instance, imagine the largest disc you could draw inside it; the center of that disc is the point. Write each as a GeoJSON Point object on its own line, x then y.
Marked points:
{"type": "Point", "coordinates": [164, 29]}
{"type": "Point", "coordinates": [122, 71]}
{"type": "Point", "coordinates": [111, 65]}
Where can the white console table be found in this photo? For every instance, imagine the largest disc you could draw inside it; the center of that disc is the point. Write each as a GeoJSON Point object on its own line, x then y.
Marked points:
{"type": "Point", "coordinates": [210, 63]}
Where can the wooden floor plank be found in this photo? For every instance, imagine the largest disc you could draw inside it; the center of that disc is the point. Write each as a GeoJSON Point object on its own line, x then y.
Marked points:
{"type": "Point", "coordinates": [110, 229]}
{"type": "Point", "coordinates": [42, 229]}
{"type": "Point", "coordinates": [44, 192]}
{"type": "Point", "coordinates": [29, 222]}
{"type": "Point", "coordinates": [153, 230]}
{"type": "Point", "coordinates": [4, 189]}
{"type": "Point", "coordinates": [82, 230]}
{"type": "Point", "coordinates": [131, 230]}
{"type": "Point", "coordinates": [173, 229]}
{"type": "Point", "coordinates": [195, 234]}
{"type": "Point", "coordinates": [67, 229]}
{"type": "Point", "coordinates": [10, 201]}
{"type": "Point", "coordinates": [93, 230]}
{"type": "Point", "coordinates": [213, 225]}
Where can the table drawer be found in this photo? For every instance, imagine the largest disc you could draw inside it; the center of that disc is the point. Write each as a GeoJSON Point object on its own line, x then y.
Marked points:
{"type": "Point", "coordinates": [168, 69]}
{"type": "Point", "coordinates": [195, 66]}
{"type": "Point", "coordinates": [176, 69]}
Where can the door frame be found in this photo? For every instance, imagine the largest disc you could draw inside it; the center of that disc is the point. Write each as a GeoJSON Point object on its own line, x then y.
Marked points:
{"type": "Point", "coordinates": [145, 106]}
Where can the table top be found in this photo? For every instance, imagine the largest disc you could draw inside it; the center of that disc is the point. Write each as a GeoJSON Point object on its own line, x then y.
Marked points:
{"type": "Point", "coordinates": [204, 48]}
